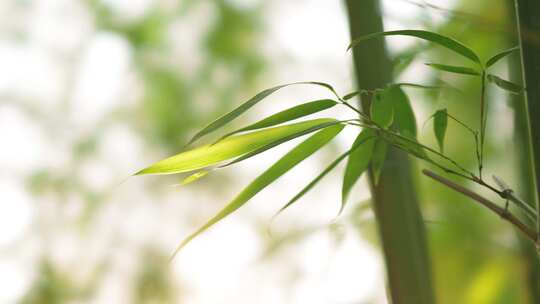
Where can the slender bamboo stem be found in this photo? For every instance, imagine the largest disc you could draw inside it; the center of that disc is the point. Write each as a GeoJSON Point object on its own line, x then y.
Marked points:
{"type": "Point", "coordinates": [502, 212]}
{"type": "Point", "coordinates": [483, 121]}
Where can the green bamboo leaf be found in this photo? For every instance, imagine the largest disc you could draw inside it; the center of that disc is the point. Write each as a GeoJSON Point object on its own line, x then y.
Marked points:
{"type": "Point", "coordinates": [194, 177]}
{"type": "Point", "coordinates": [440, 122]}
{"type": "Point", "coordinates": [491, 61]}
{"type": "Point", "coordinates": [454, 69]}
{"type": "Point", "coordinates": [287, 115]}
{"type": "Point", "coordinates": [444, 41]}
{"type": "Point", "coordinates": [378, 158]}
{"type": "Point", "coordinates": [314, 182]}
{"type": "Point", "coordinates": [505, 84]}
{"type": "Point", "coordinates": [357, 162]}
{"type": "Point", "coordinates": [282, 166]}
{"type": "Point", "coordinates": [404, 119]}
{"type": "Point", "coordinates": [382, 110]}
{"type": "Point", "coordinates": [231, 147]}
{"type": "Point", "coordinates": [273, 144]}
{"type": "Point", "coordinates": [225, 119]}
{"type": "Point", "coordinates": [319, 177]}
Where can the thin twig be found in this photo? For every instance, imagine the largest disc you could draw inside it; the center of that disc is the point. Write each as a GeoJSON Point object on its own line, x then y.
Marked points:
{"type": "Point", "coordinates": [503, 213]}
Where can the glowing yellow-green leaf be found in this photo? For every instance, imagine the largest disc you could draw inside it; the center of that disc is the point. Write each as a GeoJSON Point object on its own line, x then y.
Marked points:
{"type": "Point", "coordinates": [283, 165]}
{"type": "Point", "coordinates": [194, 177]}
{"type": "Point", "coordinates": [231, 147]}
{"type": "Point", "coordinates": [225, 119]}
{"type": "Point", "coordinates": [288, 115]}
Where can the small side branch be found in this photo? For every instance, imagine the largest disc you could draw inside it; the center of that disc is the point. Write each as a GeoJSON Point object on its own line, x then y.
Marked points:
{"type": "Point", "coordinates": [502, 212]}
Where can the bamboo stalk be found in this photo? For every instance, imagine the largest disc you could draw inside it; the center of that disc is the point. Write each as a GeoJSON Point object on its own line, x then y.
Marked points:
{"type": "Point", "coordinates": [399, 221]}
{"type": "Point", "coordinates": [528, 15]}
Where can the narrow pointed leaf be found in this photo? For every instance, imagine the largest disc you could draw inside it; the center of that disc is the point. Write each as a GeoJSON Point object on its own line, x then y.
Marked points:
{"type": "Point", "coordinates": [440, 123]}
{"type": "Point", "coordinates": [288, 115]}
{"type": "Point", "coordinates": [314, 182]}
{"type": "Point", "coordinates": [444, 41]}
{"type": "Point", "coordinates": [404, 119]}
{"type": "Point", "coordinates": [491, 61]}
{"type": "Point", "coordinates": [283, 165]}
{"type": "Point", "coordinates": [357, 162]}
{"type": "Point", "coordinates": [454, 69]}
{"type": "Point", "coordinates": [505, 84]}
{"type": "Point", "coordinates": [327, 123]}
{"type": "Point", "coordinates": [231, 147]}
{"type": "Point", "coordinates": [382, 110]}
{"type": "Point", "coordinates": [194, 177]}
{"type": "Point", "coordinates": [225, 119]}
{"type": "Point", "coordinates": [378, 158]}
{"type": "Point", "coordinates": [319, 177]}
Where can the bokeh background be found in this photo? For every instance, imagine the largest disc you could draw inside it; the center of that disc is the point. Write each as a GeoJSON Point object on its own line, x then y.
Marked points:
{"type": "Point", "coordinates": [91, 91]}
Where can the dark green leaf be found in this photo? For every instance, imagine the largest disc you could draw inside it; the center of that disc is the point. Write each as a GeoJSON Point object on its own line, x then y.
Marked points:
{"type": "Point", "coordinates": [454, 69]}
{"type": "Point", "coordinates": [351, 95]}
{"type": "Point", "coordinates": [382, 110]}
{"type": "Point", "coordinates": [444, 41]}
{"type": "Point", "coordinates": [288, 115]}
{"type": "Point", "coordinates": [357, 162]}
{"type": "Point", "coordinates": [440, 122]}
{"type": "Point", "coordinates": [282, 166]}
{"type": "Point", "coordinates": [491, 61]}
{"type": "Point", "coordinates": [378, 158]}
{"type": "Point", "coordinates": [328, 123]}
{"type": "Point", "coordinates": [505, 84]}
{"type": "Point", "coordinates": [223, 120]}
{"type": "Point", "coordinates": [231, 147]}
{"type": "Point", "coordinates": [404, 119]}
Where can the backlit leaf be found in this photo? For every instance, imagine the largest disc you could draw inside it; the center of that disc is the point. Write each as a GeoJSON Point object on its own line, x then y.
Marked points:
{"type": "Point", "coordinates": [284, 164]}
{"type": "Point", "coordinates": [357, 162]}
{"type": "Point", "coordinates": [231, 147]}
{"type": "Point", "coordinates": [454, 69]}
{"type": "Point", "coordinates": [273, 144]}
{"type": "Point", "coordinates": [225, 119]}
{"type": "Point", "coordinates": [194, 177]}
{"type": "Point", "coordinates": [440, 122]}
{"type": "Point", "coordinates": [288, 115]}
{"type": "Point", "coordinates": [444, 41]}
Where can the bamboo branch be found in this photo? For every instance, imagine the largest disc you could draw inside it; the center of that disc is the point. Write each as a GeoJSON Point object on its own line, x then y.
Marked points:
{"type": "Point", "coordinates": [502, 212]}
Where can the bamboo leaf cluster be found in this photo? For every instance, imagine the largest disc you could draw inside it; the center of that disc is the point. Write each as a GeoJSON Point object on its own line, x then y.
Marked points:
{"type": "Point", "coordinates": [390, 121]}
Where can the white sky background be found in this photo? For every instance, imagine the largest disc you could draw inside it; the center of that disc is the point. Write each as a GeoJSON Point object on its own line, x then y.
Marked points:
{"type": "Point", "coordinates": [64, 60]}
